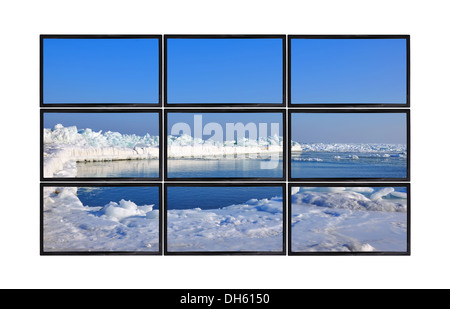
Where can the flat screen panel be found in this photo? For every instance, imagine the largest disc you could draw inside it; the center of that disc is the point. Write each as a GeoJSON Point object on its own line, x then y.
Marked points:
{"type": "Point", "coordinates": [224, 70]}
{"type": "Point", "coordinates": [336, 70]}
{"type": "Point", "coordinates": [91, 70]}
{"type": "Point", "coordinates": [224, 219]}
{"type": "Point", "coordinates": [101, 218]}
{"type": "Point", "coordinates": [100, 145]}
{"type": "Point", "coordinates": [349, 145]}
{"type": "Point", "coordinates": [225, 145]}
{"type": "Point", "coordinates": [344, 219]}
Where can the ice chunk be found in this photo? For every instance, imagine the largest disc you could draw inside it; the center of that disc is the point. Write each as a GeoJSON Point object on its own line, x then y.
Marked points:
{"type": "Point", "coordinates": [123, 209]}
{"type": "Point", "coordinates": [357, 247]}
{"type": "Point", "coordinates": [294, 190]}
{"type": "Point", "coordinates": [350, 200]}
{"type": "Point", "coordinates": [307, 159]}
{"type": "Point", "coordinates": [381, 193]}
{"type": "Point", "coordinates": [390, 149]}
{"type": "Point", "coordinates": [402, 195]}
{"type": "Point", "coordinates": [360, 189]}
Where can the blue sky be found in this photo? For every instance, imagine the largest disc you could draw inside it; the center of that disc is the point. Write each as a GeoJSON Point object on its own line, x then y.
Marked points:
{"type": "Point", "coordinates": [224, 118]}
{"type": "Point", "coordinates": [125, 123]}
{"type": "Point", "coordinates": [348, 70]}
{"type": "Point", "coordinates": [231, 70]}
{"type": "Point", "coordinates": [349, 127]}
{"type": "Point", "coordinates": [101, 70]}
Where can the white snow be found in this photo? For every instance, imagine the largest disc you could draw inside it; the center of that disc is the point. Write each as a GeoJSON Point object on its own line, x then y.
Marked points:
{"type": "Point", "coordinates": [123, 209]}
{"type": "Point", "coordinates": [185, 146]}
{"type": "Point", "coordinates": [71, 226]}
{"type": "Point", "coordinates": [360, 189]}
{"type": "Point", "coordinates": [348, 220]}
{"type": "Point", "coordinates": [381, 193]}
{"type": "Point", "coordinates": [399, 194]}
{"type": "Point", "coordinates": [64, 146]}
{"type": "Point", "coordinates": [256, 225]}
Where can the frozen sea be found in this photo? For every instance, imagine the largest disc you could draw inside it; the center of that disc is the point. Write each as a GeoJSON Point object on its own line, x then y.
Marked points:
{"type": "Point", "coordinates": [239, 167]}
{"type": "Point", "coordinates": [101, 219]}
{"type": "Point", "coordinates": [349, 219]}
{"type": "Point", "coordinates": [350, 161]}
{"type": "Point", "coordinates": [232, 219]}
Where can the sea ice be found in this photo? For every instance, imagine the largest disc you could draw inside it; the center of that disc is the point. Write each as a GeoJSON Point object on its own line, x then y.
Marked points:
{"type": "Point", "coordinates": [348, 220]}
{"type": "Point", "coordinates": [352, 147]}
{"type": "Point", "coordinates": [64, 146]}
{"type": "Point", "coordinates": [71, 226]}
{"type": "Point", "coordinates": [256, 225]}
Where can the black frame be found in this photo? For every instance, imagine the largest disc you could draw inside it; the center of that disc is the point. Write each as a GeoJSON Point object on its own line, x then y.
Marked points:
{"type": "Point", "coordinates": [218, 36]}
{"type": "Point", "coordinates": [281, 185]}
{"type": "Point", "coordinates": [286, 107]}
{"type": "Point", "coordinates": [203, 111]}
{"type": "Point", "coordinates": [98, 36]}
{"type": "Point", "coordinates": [335, 184]}
{"type": "Point", "coordinates": [42, 111]}
{"type": "Point", "coordinates": [368, 105]}
{"type": "Point", "coordinates": [81, 184]}
{"type": "Point", "coordinates": [349, 179]}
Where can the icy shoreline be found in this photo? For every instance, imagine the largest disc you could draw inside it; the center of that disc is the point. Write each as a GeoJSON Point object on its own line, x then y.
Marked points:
{"type": "Point", "coordinates": [60, 161]}
{"type": "Point", "coordinates": [71, 226]}
{"type": "Point", "coordinates": [64, 146]}
{"type": "Point", "coordinates": [351, 147]}
{"type": "Point", "coordinates": [323, 219]}
{"type": "Point", "coordinates": [256, 225]}
{"type": "Point", "coordinates": [185, 146]}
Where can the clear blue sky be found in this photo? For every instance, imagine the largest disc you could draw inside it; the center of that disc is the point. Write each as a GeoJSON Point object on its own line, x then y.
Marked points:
{"type": "Point", "coordinates": [348, 70]}
{"type": "Point", "coordinates": [387, 128]}
{"type": "Point", "coordinates": [223, 118]}
{"type": "Point", "coordinates": [224, 70]}
{"type": "Point", "coordinates": [101, 70]}
{"type": "Point", "coordinates": [125, 123]}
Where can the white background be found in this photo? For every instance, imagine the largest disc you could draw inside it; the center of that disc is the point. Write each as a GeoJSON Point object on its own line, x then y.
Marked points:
{"type": "Point", "coordinates": [21, 22]}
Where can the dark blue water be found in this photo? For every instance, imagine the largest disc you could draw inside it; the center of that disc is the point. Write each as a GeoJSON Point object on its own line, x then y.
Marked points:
{"type": "Point", "coordinates": [100, 196]}
{"type": "Point", "coordinates": [367, 166]}
{"type": "Point", "coordinates": [121, 168]}
{"type": "Point", "coordinates": [216, 197]}
{"type": "Point", "coordinates": [223, 168]}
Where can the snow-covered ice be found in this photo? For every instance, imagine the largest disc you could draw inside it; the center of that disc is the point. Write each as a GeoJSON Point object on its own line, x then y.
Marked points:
{"type": "Point", "coordinates": [64, 146]}
{"type": "Point", "coordinates": [396, 149]}
{"type": "Point", "coordinates": [71, 226]}
{"type": "Point", "coordinates": [256, 225]}
{"type": "Point", "coordinates": [333, 219]}
{"type": "Point", "coordinates": [185, 146]}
